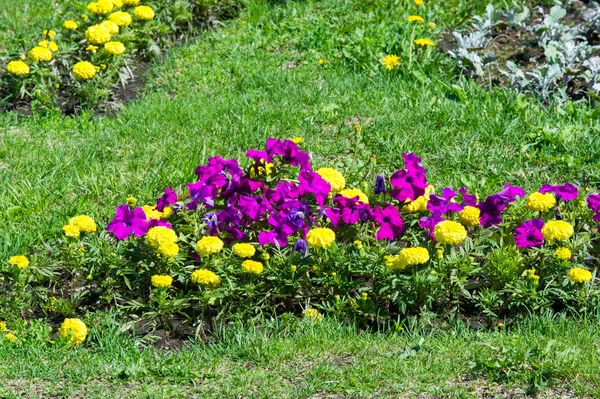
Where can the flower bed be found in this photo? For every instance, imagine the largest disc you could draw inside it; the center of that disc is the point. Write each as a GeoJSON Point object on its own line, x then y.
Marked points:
{"type": "Point", "coordinates": [274, 234]}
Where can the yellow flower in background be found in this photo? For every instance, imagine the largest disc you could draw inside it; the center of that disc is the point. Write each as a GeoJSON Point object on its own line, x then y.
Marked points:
{"type": "Point", "coordinates": [74, 328]}
{"type": "Point", "coordinates": [101, 7]}
{"type": "Point", "coordinates": [414, 256]}
{"type": "Point", "coordinates": [97, 34]}
{"type": "Point", "coordinates": [424, 42]}
{"type": "Point", "coordinates": [3, 326]}
{"type": "Point", "coordinates": [209, 245]}
{"type": "Point", "coordinates": [143, 13]}
{"type": "Point", "coordinates": [415, 18]}
{"type": "Point", "coordinates": [244, 250]}
{"type": "Point", "coordinates": [40, 54]}
{"type": "Point", "coordinates": [114, 48]}
{"type": "Point", "coordinates": [469, 216]}
{"type": "Point", "coordinates": [19, 261]}
{"type": "Point", "coordinates": [557, 230]}
{"type": "Point", "coordinates": [70, 25]}
{"type": "Point", "coordinates": [298, 140]}
{"type": "Point", "coordinates": [358, 244]}
{"type": "Point", "coordinates": [449, 232]}
{"type": "Point", "coordinates": [168, 250]}
{"type": "Point", "coordinates": [91, 48]}
{"type": "Point", "coordinates": [131, 2]}
{"type": "Point", "coordinates": [252, 267]}
{"type": "Point", "coordinates": [52, 46]}
{"type": "Point", "coordinates": [563, 253]}
{"type": "Point", "coordinates": [10, 337]}
{"type": "Point", "coordinates": [432, 25]}
{"type": "Point", "coordinates": [334, 178]}
{"type": "Point", "coordinates": [17, 68]}
{"type": "Point", "coordinates": [205, 277]}
{"type": "Point", "coordinates": [84, 223]}
{"type": "Point", "coordinates": [71, 231]}
{"type": "Point", "coordinates": [131, 201]}
{"type": "Point", "coordinates": [321, 62]}
{"type": "Point", "coordinates": [355, 192]}
{"type": "Point", "coordinates": [579, 275]}
{"type": "Point", "coordinates": [312, 314]}
{"type": "Point", "coordinates": [320, 237]}
{"type": "Point", "coordinates": [261, 169]}
{"type": "Point", "coordinates": [112, 28]}
{"type": "Point", "coordinates": [395, 263]}
{"type": "Point", "coordinates": [121, 18]}
{"type": "Point", "coordinates": [160, 281]}
{"type": "Point", "coordinates": [390, 61]}
{"type": "Point", "coordinates": [83, 70]}
{"type": "Point", "coordinates": [152, 213]}
{"type": "Point", "coordinates": [540, 202]}
{"type": "Point", "coordinates": [419, 2]}
{"type": "Point", "coordinates": [160, 235]}
{"type": "Point", "coordinates": [49, 33]}
{"type": "Point", "coordinates": [418, 205]}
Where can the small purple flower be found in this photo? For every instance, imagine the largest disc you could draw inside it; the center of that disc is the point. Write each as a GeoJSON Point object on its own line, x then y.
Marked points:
{"type": "Point", "coordinates": [429, 222]}
{"type": "Point", "coordinates": [351, 211]}
{"type": "Point", "coordinates": [566, 192]}
{"type": "Point", "coordinates": [529, 234]}
{"type": "Point", "coordinates": [301, 247]}
{"type": "Point", "coordinates": [491, 210]}
{"type": "Point", "coordinates": [210, 218]}
{"type": "Point", "coordinates": [380, 187]}
{"type": "Point", "coordinates": [312, 183]}
{"type": "Point", "coordinates": [468, 199]}
{"type": "Point", "coordinates": [201, 193]}
{"type": "Point", "coordinates": [593, 202]}
{"type": "Point", "coordinates": [168, 198]}
{"type": "Point", "coordinates": [407, 185]}
{"type": "Point", "coordinates": [509, 193]}
{"type": "Point", "coordinates": [128, 221]}
{"type": "Point", "coordinates": [390, 222]}
{"type": "Point", "coordinates": [443, 204]}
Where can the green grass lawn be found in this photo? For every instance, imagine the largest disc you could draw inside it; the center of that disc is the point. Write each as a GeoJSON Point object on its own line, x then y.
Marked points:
{"type": "Point", "coordinates": [255, 78]}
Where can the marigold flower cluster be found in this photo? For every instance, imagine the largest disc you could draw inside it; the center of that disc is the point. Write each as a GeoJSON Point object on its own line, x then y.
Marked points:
{"type": "Point", "coordinates": [74, 329]}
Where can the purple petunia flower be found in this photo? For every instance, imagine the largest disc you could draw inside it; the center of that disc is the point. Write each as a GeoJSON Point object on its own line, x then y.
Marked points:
{"type": "Point", "coordinates": [529, 234]}
{"type": "Point", "coordinates": [491, 210]}
{"type": "Point", "coordinates": [289, 152]}
{"type": "Point", "coordinates": [301, 247]}
{"type": "Point", "coordinates": [429, 222]}
{"type": "Point", "coordinates": [253, 207]}
{"type": "Point", "coordinates": [443, 204]}
{"type": "Point", "coordinates": [390, 223]}
{"type": "Point", "coordinates": [380, 187]}
{"type": "Point", "coordinates": [168, 198]}
{"type": "Point", "coordinates": [312, 183]}
{"type": "Point", "coordinates": [593, 202]}
{"type": "Point", "coordinates": [468, 199]}
{"type": "Point", "coordinates": [566, 192]}
{"type": "Point", "coordinates": [407, 185]}
{"type": "Point", "coordinates": [128, 221]}
{"type": "Point", "coordinates": [210, 218]}
{"type": "Point", "coordinates": [509, 193]}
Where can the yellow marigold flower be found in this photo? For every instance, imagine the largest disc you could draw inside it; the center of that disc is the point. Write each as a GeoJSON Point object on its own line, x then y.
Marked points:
{"type": "Point", "coordinates": [159, 235]}
{"type": "Point", "coordinates": [10, 337]}
{"type": "Point", "coordinates": [432, 25]}
{"type": "Point", "coordinates": [114, 48]}
{"type": "Point", "coordinates": [74, 328]}
{"type": "Point", "coordinates": [355, 192]}
{"type": "Point", "coordinates": [209, 245]}
{"type": "Point", "coordinates": [557, 230]}
{"type": "Point", "coordinates": [540, 202]}
{"type": "Point", "coordinates": [424, 42]}
{"type": "Point", "coordinates": [83, 70]}
{"type": "Point", "coordinates": [18, 68]}
{"type": "Point", "coordinates": [84, 223]}
{"type": "Point", "coordinates": [70, 25]}
{"type": "Point", "coordinates": [419, 2]}
{"type": "Point", "coordinates": [91, 48]}
{"type": "Point", "coordinates": [334, 178]}
{"type": "Point", "coordinates": [40, 54]}
{"type": "Point", "coordinates": [298, 140]}
{"type": "Point", "coordinates": [395, 263]}
{"type": "Point", "coordinates": [131, 201]}
{"type": "Point", "coordinates": [205, 277]}
{"type": "Point", "coordinates": [244, 250]}
{"type": "Point", "coordinates": [19, 261]}
{"type": "Point", "coordinates": [71, 230]}
{"type": "Point", "coordinates": [358, 244]}
{"type": "Point", "coordinates": [500, 325]}
{"type": "Point", "coordinates": [563, 253]}
{"type": "Point", "coordinates": [152, 213]}
{"type": "Point", "coordinates": [449, 232]}
{"type": "Point", "coordinates": [579, 275]}
{"type": "Point", "coordinates": [112, 28]}
{"type": "Point", "coordinates": [101, 7]}
{"type": "Point", "coordinates": [414, 256]}
{"type": "Point", "coordinates": [121, 18]}
{"type": "Point", "coordinates": [415, 18]}
{"type": "Point", "coordinates": [418, 205]}
{"type": "Point", "coordinates": [52, 46]}
{"type": "Point", "coordinates": [50, 33]}
{"type": "Point", "coordinates": [261, 169]}
{"type": "Point", "coordinates": [98, 34]}
{"type": "Point", "coordinates": [390, 61]}
{"type": "Point", "coordinates": [143, 13]}
{"type": "Point", "coordinates": [131, 2]}
{"type": "Point", "coordinates": [3, 326]}
{"type": "Point", "coordinates": [252, 267]}
{"type": "Point", "coordinates": [312, 314]}
{"type": "Point", "coordinates": [320, 237]}
{"type": "Point", "coordinates": [168, 250]}
{"type": "Point", "coordinates": [118, 3]}
{"type": "Point", "coordinates": [469, 216]}
{"type": "Point", "coordinates": [160, 281]}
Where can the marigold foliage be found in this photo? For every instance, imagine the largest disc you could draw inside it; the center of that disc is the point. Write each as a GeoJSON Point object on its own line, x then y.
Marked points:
{"type": "Point", "coordinates": [74, 328]}
{"type": "Point", "coordinates": [209, 245]}
{"type": "Point", "coordinates": [541, 202]}
{"type": "Point", "coordinates": [579, 275]}
{"type": "Point", "coordinates": [205, 277]}
{"type": "Point", "coordinates": [244, 250]}
{"type": "Point", "coordinates": [557, 230]}
{"type": "Point", "coordinates": [320, 237]}
{"type": "Point", "coordinates": [334, 178]}
{"type": "Point", "coordinates": [252, 267]}
{"type": "Point", "coordinates": [449, 232]}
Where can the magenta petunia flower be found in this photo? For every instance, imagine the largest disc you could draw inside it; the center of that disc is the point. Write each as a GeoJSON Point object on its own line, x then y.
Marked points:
{"type": "Point", "coordinates": [491, 210]}
{"type": "Point", "coordinates": [312, 183]}
{"type": "Point", "coordinates": [566, 192]}
{"type": "Point", "coordinates": [429, 222]}
{"type": "Point", "coordinates": [289, 152]}
{"type": "Point", "coordinates": [128, 221]}
{"type": "Point", "coordinates": [390, 223]}
{"type": "Point", "coordinates": [168, 198]}
{"type": "Point", "coordinates": [442, 204]}
{"type": "Point", "coordinates": [468, 199]}
{"type": "Point", "coordinates": [253, 207]}
{"type": "Point", "coordinates": [509, 193]}
{"type": "Point", "coordinates": [529, 234]}
{"type": "Point", "coordinates": [593, 203]}
{"type": "Point", "coordinates": [407, 185]}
